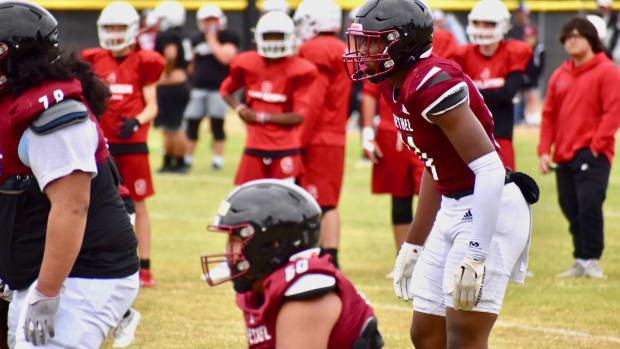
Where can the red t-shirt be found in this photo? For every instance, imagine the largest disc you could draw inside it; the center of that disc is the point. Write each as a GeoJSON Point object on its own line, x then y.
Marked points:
{"type": "Point", "coordinates": [260, 321]}
{"type": "Point", "coordinates": [287, 85]}
{"type": "Point", "coordinates": [329, 125]}
{"type": "Point", "coordinates": [415, 98]}
{"type": "Point", "coordinates": [126, 80]}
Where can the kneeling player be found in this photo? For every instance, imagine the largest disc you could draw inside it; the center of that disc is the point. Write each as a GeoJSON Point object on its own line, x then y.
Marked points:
{"type": "Point", "coordinates": [283, 287]}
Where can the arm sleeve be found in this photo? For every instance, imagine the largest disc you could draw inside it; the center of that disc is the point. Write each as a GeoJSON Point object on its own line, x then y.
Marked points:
{"type": "Point", "coordinates": [488, 187]}
{"type": "Point", "coordinates": [505, 94]}
{"type": "Point", "coordinates": [610, 103]}
{"type": "Point", "coordinates": [58, 154]}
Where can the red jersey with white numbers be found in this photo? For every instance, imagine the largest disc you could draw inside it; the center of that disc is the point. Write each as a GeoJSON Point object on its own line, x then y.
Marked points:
{"type": "Point", "coordinates": [16, 115]}
{"type": "Point", "coordinates": [283, 86]}
{"type": "Point", "coordinates": [427, 86]}
{"type": "Point", "coordinates": [125, 79]}
{"type": "Point", "coordinates": [260, 321]}
{"type": "Point", "coordinates": [330, 122]}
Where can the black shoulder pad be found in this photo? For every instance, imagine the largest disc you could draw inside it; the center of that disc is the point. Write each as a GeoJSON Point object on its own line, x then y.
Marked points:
{"type": "Point", "coordinates": [60, 115]}
{"type": "Point", "coordinates": [451, 100]}
{"type": "Point", "coordinates": [443, 76]}
{"type": "Point", "coordinates": [310, 286]}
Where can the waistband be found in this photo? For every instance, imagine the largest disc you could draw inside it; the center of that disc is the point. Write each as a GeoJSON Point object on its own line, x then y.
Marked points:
{"type": "Point", "coordinates": [462, 193]}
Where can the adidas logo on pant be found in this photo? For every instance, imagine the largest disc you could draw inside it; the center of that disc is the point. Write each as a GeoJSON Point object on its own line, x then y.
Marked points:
{"type": "Point", "coordinates": [467, 217]}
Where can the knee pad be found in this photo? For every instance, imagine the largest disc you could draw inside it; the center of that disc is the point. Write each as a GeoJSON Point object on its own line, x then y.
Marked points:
{"type": "Point", "coordinates": [217, 127]}
{"type": "Point", "coordinates": [191, 129]}
{"type": "Point", "coordinates": [402, 212]}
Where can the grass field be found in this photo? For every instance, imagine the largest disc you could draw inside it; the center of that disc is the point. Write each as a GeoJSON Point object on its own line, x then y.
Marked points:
{"type": "Point", "coordinates": [182, 311]}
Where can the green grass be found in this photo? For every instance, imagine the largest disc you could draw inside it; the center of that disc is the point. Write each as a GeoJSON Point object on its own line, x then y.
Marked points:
{"type": "Point", "coordinates": [182, 311]}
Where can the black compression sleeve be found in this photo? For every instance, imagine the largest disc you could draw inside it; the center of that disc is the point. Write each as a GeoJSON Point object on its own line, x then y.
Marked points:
{"type": "Point", "coordinates": [505, 94]}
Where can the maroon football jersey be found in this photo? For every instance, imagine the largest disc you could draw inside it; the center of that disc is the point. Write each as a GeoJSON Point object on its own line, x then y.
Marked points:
{"type": "Point", "coordinates": [126, 80]}
{"type": "Point", "coordinates": [426, 89]}
{"type": "Point", "coordinates": [280, 87]}
{"type": "Point", "coordinates": [260, 320]}
{"type": "Point", "coordinates": [16, 115]}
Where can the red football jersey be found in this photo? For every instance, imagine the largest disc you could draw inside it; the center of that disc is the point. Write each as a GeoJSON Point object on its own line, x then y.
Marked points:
{"type": "Point", "coordinates": [418, 95]}
{"type": "Point", "coordinates": [490, 73]}
{"type": "Point", "coordinates": [260, 321]}
{"type": "Point", "coordinates": [126, 80]}
{"type": "Point", "coordinates": [328, 127]}
{"type": "Point", "coordinates": [444, 44]}
{"type": "Point", "coordinates": [287, 85]}
{"type": "Point", "coordinates": [16, 115]}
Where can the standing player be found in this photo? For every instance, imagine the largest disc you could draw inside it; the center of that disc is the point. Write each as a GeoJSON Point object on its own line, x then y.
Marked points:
{"type": "Point", "coordinates": [324, 135]}
{"type": "Point", "coordinates": [173, 90]}
{"type": "Point", "coordinates": [132, 75]}
{"type": "Point", "coordinates": [442, 117]}
{"type": "Point", "coordinates": [214, 47]}
{"type": "Point", "coordinates": [283, 288]}
{"type": "Point", "coordinates": [68, 248]}
{"type": "Point", "coordinates": [496, 67]}
{"type": "Point", "coordinates": [279, 93]}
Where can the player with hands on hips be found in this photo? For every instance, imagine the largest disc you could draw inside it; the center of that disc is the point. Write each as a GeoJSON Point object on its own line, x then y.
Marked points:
{"type": "Point", "coordinates": [282, 286]}
{"type": "Point", "coordinates": [460, 277]}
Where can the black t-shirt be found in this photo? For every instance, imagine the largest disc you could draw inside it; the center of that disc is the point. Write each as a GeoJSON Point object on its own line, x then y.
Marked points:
{"type": "Point", "coordinates": [177, 37]}
{"type": "Point", "coordinates": [109, 246]}
{"type": "Point", "coordinates": [209, 72]}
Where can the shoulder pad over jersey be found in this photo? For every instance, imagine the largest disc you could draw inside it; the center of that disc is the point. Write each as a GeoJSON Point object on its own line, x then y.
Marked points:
{"type": "Point", "coordinates": [60, 115]}
{"type": "Point", "coordinates": [310, 286]}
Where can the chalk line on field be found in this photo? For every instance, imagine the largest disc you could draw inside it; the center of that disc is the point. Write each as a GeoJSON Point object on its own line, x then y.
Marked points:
{"type": "Point", "coordinates": [560, 331]}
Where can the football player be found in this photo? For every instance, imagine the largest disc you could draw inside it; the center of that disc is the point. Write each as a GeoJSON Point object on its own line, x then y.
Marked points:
{"type": "Point", "coordinates": [131, 74]}
{"type": "Point", "coordinates": [456, 238]}
{"type": "Point", "coordinates": [496, 66]}
{"type": "Point", "coordinates": [324, 135]}
{"type": "Point", "coordinates": [69, 250]}
{"type": "Point", "coordinates": [279, 94]}
{"type": "Point", "coordinates": [283, 287]}
{"type": "Point", "coordinates": [275, 5]}
{"type": "Point", "coordinates": [214, 47]}
{"type": "Point", "coordinates": [173, 90]}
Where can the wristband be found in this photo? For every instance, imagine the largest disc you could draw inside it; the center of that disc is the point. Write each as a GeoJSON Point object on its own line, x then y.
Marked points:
{"type": "Point", "coordinates": [368, 135]}
{"type": "Point", "coordinates": [262, 118]}
{"type": "Point", "coordinates": [239, 107]}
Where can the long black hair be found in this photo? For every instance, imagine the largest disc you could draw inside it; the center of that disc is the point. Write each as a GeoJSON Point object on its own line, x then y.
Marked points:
{"type": "Point", "coordinates": [38, 61]}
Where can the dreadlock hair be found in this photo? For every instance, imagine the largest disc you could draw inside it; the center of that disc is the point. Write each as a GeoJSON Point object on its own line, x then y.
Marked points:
{"type": "Point", "coordinates": [38, 61]}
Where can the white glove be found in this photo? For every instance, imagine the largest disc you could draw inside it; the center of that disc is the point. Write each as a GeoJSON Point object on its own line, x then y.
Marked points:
{"type": "Point", "coordinates": [368, 136]}
{"type": "Point", "coordinates": [403, 268]}
{"type": "Point", "coordinates": [468, 281]}
{"type": "Point", "coordinates": [40, 316]}
{"type": "Point", "coordinates": [6, 294]}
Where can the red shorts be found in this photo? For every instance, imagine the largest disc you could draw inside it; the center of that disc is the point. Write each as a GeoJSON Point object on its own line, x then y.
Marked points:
{"type": "Point", "coordinates": [253, 167]}
{"type": "Point", "coordinates": [136, 173]}
{"type": "Point", "coordinates": [324, 171]}
{"type": "Point", "coordinates": [506, 152]}
{"type": "Point", "coordinates": [399, 171]}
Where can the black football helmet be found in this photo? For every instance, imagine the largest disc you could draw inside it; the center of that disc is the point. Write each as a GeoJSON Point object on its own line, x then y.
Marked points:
{"type": "Point", "coordinates": [387, 36]}
{"type": "Point", "coordinates": [21, 22]}
{"type": "Point", "coordinates": [267, 221]}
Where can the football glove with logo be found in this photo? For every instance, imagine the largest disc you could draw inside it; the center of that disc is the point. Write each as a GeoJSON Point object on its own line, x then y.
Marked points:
{"type": "Point", "coordinates": [403, 268]}
{"type": "Point", "coordinates": [468, 281]}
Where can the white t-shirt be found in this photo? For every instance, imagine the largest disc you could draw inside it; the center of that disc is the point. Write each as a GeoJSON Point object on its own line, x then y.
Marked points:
{"type": "Point", "coordinates": [58, 154]}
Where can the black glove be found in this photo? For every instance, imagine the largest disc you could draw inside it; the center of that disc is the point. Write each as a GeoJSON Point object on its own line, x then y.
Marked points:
{"type": "Point", "coordinates": [129, 126]}
{"type": "Point", "coordinates": [527, 185]}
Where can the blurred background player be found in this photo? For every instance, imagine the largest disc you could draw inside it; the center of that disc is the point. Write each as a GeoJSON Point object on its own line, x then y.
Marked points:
{"type": "Point", "coordinates": [395, 170]}
{"type": "Point", "coordinates": [275, 5]}
{"type": "Point", "coordinates": [131, 74]}
{"type": "Point", "coordinates": [324, 133]}
{"type": "Point", "coordinates": [444, 43]}
{"type": "Point", "coordinates": [279, 94]}
{"type": "Point", "coordinates": [449, 22]}
{"type": "Point", "coordinates": [283, 287]}
{"type": "Point", "coordinates": [68, 244]}
{"type": "Point", "coordinates": [496, 67]}
{"type": "Point", "coordinates": [581, 115]}
{"type": "Point", "coordinates": [173, 90]}
{"type": "Point", "coordinates": [214, 47]}
{"type": "Point", "coordinates": [149, 27]}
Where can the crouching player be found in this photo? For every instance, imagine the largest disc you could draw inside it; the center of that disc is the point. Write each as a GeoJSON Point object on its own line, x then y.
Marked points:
{"type": "Point", "coordinates": [283, 287]}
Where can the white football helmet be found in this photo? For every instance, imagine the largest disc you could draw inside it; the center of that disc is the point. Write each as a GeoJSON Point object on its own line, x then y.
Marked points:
{"type": "Point", "coordinates": [275, 5]}
{"type": "Point", "coordinates": [488, 11]}
{"type": "Point", "coordinates": [600, 25]}
{"type": "Point", "coordinates": [317, 16]}
{"type": "Point", "coordinates": [210, 10]}
{"type": "Point", "coordinates": [170, 14]}
{"type": "Point", "coordinates": [118, 13]}
{"type": "Point", "coordinates": [275, 22]}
